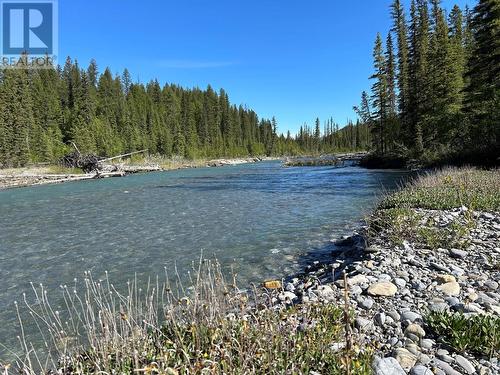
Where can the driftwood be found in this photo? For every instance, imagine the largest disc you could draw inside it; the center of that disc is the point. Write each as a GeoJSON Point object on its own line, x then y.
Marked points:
{"type": "Point", "coordinates": [89, 163]}
{"type": "Point", "coordinates": [123, 156]}
{"type": "Point", "coordinates": [20, 180]}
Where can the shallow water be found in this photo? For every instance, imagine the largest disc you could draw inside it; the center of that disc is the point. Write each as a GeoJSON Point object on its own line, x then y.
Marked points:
{"type": "Point", "coordinates": [264, 220]}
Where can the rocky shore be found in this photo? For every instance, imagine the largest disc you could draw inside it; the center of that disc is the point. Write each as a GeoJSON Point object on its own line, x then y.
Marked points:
{"type": "Point", "coordinates": [23, 177]}
{"type": "Point", "coordinates": [392, 288]}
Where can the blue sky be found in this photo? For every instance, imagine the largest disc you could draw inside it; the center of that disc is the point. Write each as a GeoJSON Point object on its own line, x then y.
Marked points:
{"type": "Point", "coordinates": [294, 59]}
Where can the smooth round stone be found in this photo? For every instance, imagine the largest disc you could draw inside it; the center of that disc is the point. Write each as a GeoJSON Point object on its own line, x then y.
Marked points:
{"type": "Point", "coordinates": [452, 301]}
{"type": "Point", "coordinates": [401, 283]}
{"type": "Point", "coordinates": [491, 284]}
{"type": "Point", "coordinates": [427, 343]}
{"type": "Point", "coordinates": [387, 366]}
{"type": "Point", "coordinates": [366, 303]}
{"type": "Point", "coordinates": [415, 329]}
{"type": "Point", "coordinates": [411, 316]}
{"type": "Point", "coordinates": [451, 288]}
{"type": "Point", "coordinates": [383, 289]}
{"type": "Point", "coordinates": [421, 370]}
{"type": "Point", "coordinates": [356, 289]}
{"type": "Point", "coordinates": [419, 286]}
{"type": "Point", "coordinates": [413, 349]}
{"type": "Point", "coordinates": [445, 357]}
{"type": "Point", "coordinates": [465, 364]}
{"type": "Point", "coordinates": [380, 319]}
{"type": "Point", "coordinates": [394, 315]}
{"type": "Point", "coordinates": [406, 359]}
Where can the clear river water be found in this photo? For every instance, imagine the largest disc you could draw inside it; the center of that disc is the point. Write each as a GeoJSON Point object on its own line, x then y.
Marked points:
{"type": "Point", "coordinates": [263, 220]}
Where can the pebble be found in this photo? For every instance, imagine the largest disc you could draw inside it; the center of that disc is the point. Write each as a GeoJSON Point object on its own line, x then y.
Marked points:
{"type": "Point", "coordinates": [364, 325]}
{"type": "Point", "coordinates": [380, 319]}
{"type": "Point", "coordinates": [325, 292]}
{"type": "Point", "coordinates": [406, 359]}
{"type": "Point", "coordinates": [411, 316]}
{"type": "Point", "coordinates": [450, 288]}
{"type": "Point", "coordinates": [383, 288]}
{"type": "Point", "coordinates": [421, 370]}
{"type": "Point", "coordinates": [448, 370]}
{"type": "Point", "coordinates": [366, 303]}
{"type": "Point", "coordinates": [401, 283]}
{"type": "Point", "coordinates": [465, 364]}
{"type": "Point", "coordinates": [427, 343]}
{"type": "Point", "coordinates": [287, 297]}
{"type": "Point", "coordinates": [387, 366]}
{"type": "Point", "coordinates": [491, 284]}
{"type": "Point", "coordinates": [415, 329]}
{"type": "Point", "coordinates": [455, 253]}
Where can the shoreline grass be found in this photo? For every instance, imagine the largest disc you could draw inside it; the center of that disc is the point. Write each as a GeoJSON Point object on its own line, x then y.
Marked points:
{"type": "Point", "coordinates": [449, 188]}
{"type": "Point", "coordinates": [209, 327]}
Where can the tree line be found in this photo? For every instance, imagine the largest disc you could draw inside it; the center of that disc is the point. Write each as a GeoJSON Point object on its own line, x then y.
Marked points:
{"type": "Point", "coordinates": [436, 82]}
{"type": "Point", "coordinates": [45, 111]}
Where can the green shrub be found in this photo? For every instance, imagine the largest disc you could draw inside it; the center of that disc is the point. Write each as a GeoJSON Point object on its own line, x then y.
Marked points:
{"type": "Point", "coordinates": [476, 334]}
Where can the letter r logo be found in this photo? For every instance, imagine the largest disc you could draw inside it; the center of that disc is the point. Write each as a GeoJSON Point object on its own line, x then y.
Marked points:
{"type": "Point", "coordinates": [27, 27]}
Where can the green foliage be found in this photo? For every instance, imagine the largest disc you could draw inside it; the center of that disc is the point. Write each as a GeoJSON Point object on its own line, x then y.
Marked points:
{"type": "Point", "coordinates": [43, 111]}
{"type": "Point", "coordinates": [450, 188]}
{"type": "Point", "coordinates": [448, 80]}
{"type": "Point", "coordinates": [477, 334]}
{"type": "Point", "coordinates": [268, 342]}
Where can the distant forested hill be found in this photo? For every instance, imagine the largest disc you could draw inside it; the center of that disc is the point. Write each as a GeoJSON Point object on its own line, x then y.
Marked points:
{"type": "Point", "coordinates": [44, 110]}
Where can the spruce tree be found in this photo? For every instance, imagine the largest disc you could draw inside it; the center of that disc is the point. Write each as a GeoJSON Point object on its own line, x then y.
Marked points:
{"type": "Point", "coordinates": [401, 29]}
{"type": "Point", "coordinates": [379, 94]}
{"type": "Point", "coordinates": [483, 91]}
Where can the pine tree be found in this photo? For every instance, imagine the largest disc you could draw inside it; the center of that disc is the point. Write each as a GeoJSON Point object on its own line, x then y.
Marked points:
{"type": "Point", "coordinates": [401, 29]}
{"type": "Point", "coordinates": [441, 90]}
{"type": "Point", "coordinates": [483, 91]}
{"type": "Point", "coordinates": [379, 94]}
{"type": "Point", "coordinates": [390, 72]}
{"type": "Point", "coordinates": [420, 88]}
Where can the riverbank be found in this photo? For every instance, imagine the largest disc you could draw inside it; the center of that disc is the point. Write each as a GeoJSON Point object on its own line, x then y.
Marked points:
{"type": "Point", "coordinates": [53, 174]}
{"type": "Point", "coordinates": [431, 247]}
{"type": "Point", "coordinates": [423, 277]}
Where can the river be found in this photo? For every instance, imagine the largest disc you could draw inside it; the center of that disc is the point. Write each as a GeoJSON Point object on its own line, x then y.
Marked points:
{"type": "Point", "coordinates": [263, 220]}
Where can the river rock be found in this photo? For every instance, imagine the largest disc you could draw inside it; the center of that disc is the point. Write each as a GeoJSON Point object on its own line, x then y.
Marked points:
{"type": "Point", "coordinates": [450, 288]}
{"type": "Point", "coordinates": [366, 303]}
{"type": "Point", "coordinates": [415, 329]}
{"type": "Point", "coordinates": [387, 366]}
{"type": "Point", "coordinates": [325, 292]}
{"type": "Point", "coordinates": [491, 284]}
{"type": "Point", "coordinates": [445, 278]}
{"type": "Point", "coordinates": [357, 279]}
{"type": "Point", "coordinates": [421, 370]}
{"type": "Point", "coordinates": [446, 367]}
{"type": "Point", "coordinates": [455, 253]}
{"type": "Point", "coordinates": [287, 297]}
{"type": "Point", "coordinates": [364, 325]}
{"type": "Point", "coordinates": [411, 316]}
{"type": "Point", "coordinates": [427, 344]}
{"type": "Point", "coordinates": [383, 288]}
{"type": "Point", "coordinates": [405, 358]}
{"type": "Point", "coordinates": [465, 364]}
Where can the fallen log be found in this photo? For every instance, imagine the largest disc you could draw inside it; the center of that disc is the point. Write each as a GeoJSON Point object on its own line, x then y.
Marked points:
{"type": "Point", "coordinates": [123, 155]}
